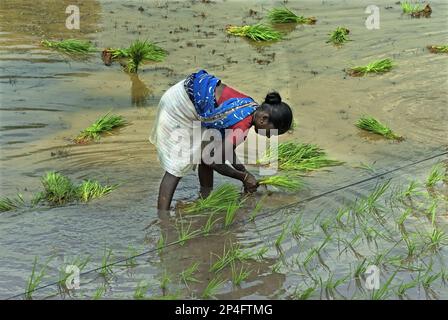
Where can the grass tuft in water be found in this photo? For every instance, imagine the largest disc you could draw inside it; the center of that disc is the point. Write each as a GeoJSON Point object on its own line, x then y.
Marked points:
{"type": "Point", "coordinates": [339, 36]}
{"type": "Point", "coordinates": [212, 287]}
{"type": "Point", "coordinates": [231, 214]}
{"type": "Point", "coordinates": [238, 276]}
{"type": "Point", "coordinates": [438, 48]}
{"type": "Point", "coordinates": [285, 15]}
{"type": "Point", "coordinates": [184, 232]}
{"type": "Point", "coordinates": [35, 279]}
{"type": "Point", "coordinates": [410, 8]}
{"type": "Point", "coordinates": [187, 275]}
{"type": "Point", "coordinates": [378, 66]}
{"type": "Point", "coordinates": [305, 294]}
{"type": "Point", "coordinates": [58, 189]}
{"type": "Point", "coordinates": [99, 292]}
{"type": "Point", "coordinates": [219, 200]}
{"type": "Point", "coordinates": [287, 183]}
{"type": "Point", "coordinates": [105, 124]}
{"type": "Point", "coordinates": [229, 255]}
{"type": "Point", "coordinates": [436, 238]}
{"type": "Point", "coordinates": [89, 190]}
{"type": "Point", "coordinates": [141, 290]}
{"type": "Point", "coordinates": [298, 156]}
{"type": "Point", "coordinates": [373, 125]}
{"type": "Point", "coordinates": [106, 268]}
{"type": "Point", "coordinates": [70, 46]}
{"type": "Point", "coordinates": [8, 204]}
{"type": "Point", "coordinates": [436, 174]}
{"type": "Point", "coordinates": [257, 32]}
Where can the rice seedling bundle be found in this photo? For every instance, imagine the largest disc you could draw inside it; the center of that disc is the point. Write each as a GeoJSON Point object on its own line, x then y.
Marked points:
{"type": "Point", "coordinates": [438, 49]}
{"type": "Point", "coordinates": [7, 204]}
{"type": "Point", "coordinates": [212, 287]}
{"type": "Point", "coordinates": [285, 15]}
{"type": "Point", "coordinates": [104, 124]}
{"type": "Point", "coordinates": [71, 46]}
{"type": "Point", "coordinates": [219, 199]}
{"type": "Point", "coordinates": [89, 190]}
{"type": "Point", "coordinates": [378, 66]}
{"type": "Point", "coordinates": [256, 32]}
{"type": "Point", "coordinates": [139, 51]}
{"type": "Point", "coordinates": [373, 125]}
{"type": "Point", "coordinates": [410, 8]}
{"type": "Point", "coordinates": [298, 156]}
{"type": "Point", "coordinates": [339, 36]}
{"type": "Point", "coordinates": [436, 174]}
{"type": "Point", "coordinates": [58, 189]}
{"type": "Point", "coordinates": [287, 183]}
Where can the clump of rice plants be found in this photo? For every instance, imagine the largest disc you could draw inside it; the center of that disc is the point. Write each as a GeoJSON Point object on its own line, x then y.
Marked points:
{"type": "Point", "coordinates": [187, 275]}
{"type": "Point", "coordinates": [106, 268]}
{"type": "Point", "coordinates": [436, 174]}
{"type": "Point", "coordinates": [90, 189]}
{"type": "Point", "coordinates": [8, 204]}
{"type": "Point", "coordinates": [212, 287]}
{"type": "Point", "coordinates": [104, 124]}
{"type": "Point", "coordinates": [219, 199]}
{"type": "Point", "coordinates": [410, 8]}
{"type": "Point", "coordinates": [438, 48]}
{"type": "Point", "coordinates": [139, 51]}
{"type": "Point", "coordinates": [303, 294]}
{"type": "Point", "coordinates": [34, 280]}
{"type": "Point", "coordinates": [141, 290]}
{"type": "Point", "coordinates": [184, 233]}
{"type": "Point", "coordinates": [285, 15]}
{"type": "Point", "coordinates": [99, 292]}
{"type": "Point", "coordinates": [65, 272]}
{"type": "Point", "coordinates": [238, 276]}
{"type": "Point", "coordinates": [436, 239]}
{"type": "Point", "coordinates": [58, 189]}
{"type": "Point", "coordinates": [229, 255]}
{"type": "Point", "coordinates": [378, 66]}
{"type": "Point", "coordinates": [70, 46]}
{"type": "Point", "coordinates": [339, 36]}
{"type": "Point", "coordinates": [373, 125]}
{"type": "Point", "coordinates": [256, 32]}
{"type": "Point", "coordinates": [286, 183]}
{"type": "Point", "coordinates": [298, 156]}
{"type": "Point", "coordinates": [231, 214]}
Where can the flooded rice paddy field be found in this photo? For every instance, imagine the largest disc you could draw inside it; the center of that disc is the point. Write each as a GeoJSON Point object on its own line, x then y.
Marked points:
{"type": "Point", "coordinates": [313, 244]}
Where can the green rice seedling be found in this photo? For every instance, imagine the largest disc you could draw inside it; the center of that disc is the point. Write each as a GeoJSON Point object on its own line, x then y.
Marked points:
{"type": "Point", "coordinates": [287, 183]}
{"type": "Point", "coordinates": [305, 294]}
{"type": "Point", "coordinates": [70, 46]}
{"type": "Point", "coordinates": [131, 260]}
{"type": "Point", "coordinates": [372, 199]}
{"type": "Point", "coordinates": [360, 269]}
{"type": "Point", "coordinates": [90, 189]}
{"type": "Point", "coordinates": [311, 254]}
{"type": "Point", "coordinates": [298, 156]}
{"type": "Point", "coordinates": [411, 190]}
{"type": "Point", "coordinates": [410, 245]}
{"type": "Point", "coordinates": [276, 267]}
{"type": "Point", "coordinates": [103, 125]}
{"type": "Point", "coordinates": [428, 279]}
{"type": "Point", "coordinates": [106, 269]}
{"type": "Point", "coordinates": [8, 204]}
{"type": "Point", "coordinates": [231, 214]}
{"type": "Point", "coordinates": [218, 201]}
{"type": "Point", "coordinates": [212, 287]}
{"type": "Point", "coordinates": [141, 290]}
{"type": "Point", "coordinates": [298, 229]}
{"type": "Point", "coordinates": [187, 275]}
{"type": "Point", "coordinates": [34, 280]}
{"type": "Point", "coordinates": [260, 253]}
{"type": "Point", "coordinates": [285, 15]}
{"type": "Point", "coordinates": [331, 285]}
{"type": "Point", "coordinates": [58, 189]}
{"type": "Point", "coordinates": [431, 212]}
{"type": "Point", "coordinates": [256, 32]}
{"type": "Point", "coordinates": [63, 274]}
{"type": "Point", "coordinates": [185, 234]}
{"type": "Point", "coordinates": [410, 8]}
{"type": "Point", "coordinates": [165, 281]}
{"type": "Point", "coordinates": [401, 291]}
{"type": "Point", "coordinates": [342, 212]}
{"type": "Point", "coordinates": [339, 36]}
{"type": "Point", "coordinates": [282, 236]}
{"type": "Point", "coordinates": [257, 209]}
{"type": "Point", "coordinates": [366, 166]}
{"type": "Point", "coordinates": [139, 51]}
{"type": "Point", "coordinates": [438, 49]}
{"type": "Point", "coordinates": [373, 125]}
{"type": "Point", "coordinates": [378, 66]}
{"type": "Point", "coordinates": [210, 223]}
{"type": "Point", "coordinates": [436, 239]}
{"type": "Point", "coordinates": [436, 174]}
{"type": "Point", "coordinates": [160, 243]}
{"type": "Point", "coordinates": [99, 292]}
{"type": "Point", "coordinates": [238, 276]}
{"type": "Point", "coordinates": [383, 292]}
{"type": "Point", "coordinates": [229, 255]}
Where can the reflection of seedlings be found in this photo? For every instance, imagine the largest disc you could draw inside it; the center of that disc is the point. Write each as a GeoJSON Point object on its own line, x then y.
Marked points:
{"type": "Point", "coordinates": [284, 15]}
{"type": "Point", "coordinates": [218, 200]}
{"type": "Point", "coordinates": [140, 290]}
{"type": "Point", "coordinates": [8, 204]}
{"type": "Point", "coordinates": [212, 287]}
{"type": "Point", "coordinates": [99, 292]}
{"type": "Point", "coordinates": [187, 275]}
{"type": "Point", "coordinates": [34, 280]}
{"type": "Point", "coordinates": [71, 46]}
{"type": "Point", "coordinates": [438, 49]}
{"type": "Point", "coordinates": [373, 125]}
{"type": "Point", "coordinates": [256, 32]}
{"type": "Point", "coordinates": [378, 66]}
{"type": "Point", "coordinates": [106, 269]}
{"type": "Point", "coordinates": [436, 174]}
{"type": "Point", "coordinates": [287, 183]}
{"type": "Point", "coordinates": [89, 190]}
{"type": "Point", "coordinates": [61, 153]}
{"type": "Point", "coordinates": [298, 156]}
{"type": "Point", "coordinates": [104, 124]}
{"type": "Point", "coordinates": [238, 276]}
{"type": "Point", "coordinates": [339, 36]}
{"type": "Point", "coordinates": [382, 293]}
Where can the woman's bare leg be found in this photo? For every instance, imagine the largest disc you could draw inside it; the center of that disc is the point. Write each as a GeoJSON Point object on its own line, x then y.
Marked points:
{"type": "Point", "coordinates": [166, 191]}
{"type": "Point", "coordinates": [205, 173]}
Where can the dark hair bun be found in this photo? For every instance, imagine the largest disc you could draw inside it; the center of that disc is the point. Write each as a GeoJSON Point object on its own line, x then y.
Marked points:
{"type": "Point", "coordinates": [273, 98]}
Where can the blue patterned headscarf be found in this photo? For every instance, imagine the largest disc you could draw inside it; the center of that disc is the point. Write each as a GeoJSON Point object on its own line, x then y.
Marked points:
{"type": "Point", "coordinates": [227, 113]}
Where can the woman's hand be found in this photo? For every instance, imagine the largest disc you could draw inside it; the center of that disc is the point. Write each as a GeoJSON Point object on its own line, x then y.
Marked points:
{"type": "Point", "coordinates": [250, 183]}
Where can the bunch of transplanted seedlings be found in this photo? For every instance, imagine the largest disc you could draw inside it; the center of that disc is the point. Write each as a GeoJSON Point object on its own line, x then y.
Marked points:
{"type": "Point", "coordinates": [8, 204]}
{"type": "Point", "coordinates": [285, 15]}
{"type": "Point", "coordinates": [137, 53]}
{"type": "Point", "coordinates": [339, 36]}
{"type": "Point", "coordinates": [373, 125]}
{"type": "Point", "coordinates": [298, 156]}
{"type": "Point", "coordinates": [219, 200]}
{"type": "Point", "coordinates": [59, 189]}
{"type": "Point", "coordinates": [104, 124]}
{"type": "Point", "coordinates": [70, 46]}
{"type": "Point", "coordinates": [287, 183]}
{"type": "Point", "coordinates": [415, 10]}
{"type": "Point", "coordinates": [438, 49]}
{"type": "Point", "coordinates": [256, 32]}
{"type": "Point", "coordinates": [378, 66]}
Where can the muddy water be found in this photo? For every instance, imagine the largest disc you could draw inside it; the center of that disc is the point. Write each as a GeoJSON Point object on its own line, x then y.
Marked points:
{"type": "Point", "coordinates": [47, 98]}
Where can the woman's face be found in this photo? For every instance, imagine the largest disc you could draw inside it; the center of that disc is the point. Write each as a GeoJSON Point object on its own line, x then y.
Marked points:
{"type": "Point", "coordinates": [262, 124]}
